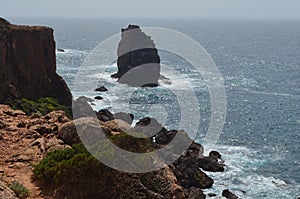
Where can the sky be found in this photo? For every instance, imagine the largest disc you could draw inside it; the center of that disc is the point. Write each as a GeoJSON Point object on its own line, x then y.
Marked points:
{"type": "Point", "coordinates": [261, 9]}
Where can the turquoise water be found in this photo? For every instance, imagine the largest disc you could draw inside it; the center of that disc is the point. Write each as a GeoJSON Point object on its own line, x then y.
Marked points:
{"type": "Point", "coordinates": [260, 63]}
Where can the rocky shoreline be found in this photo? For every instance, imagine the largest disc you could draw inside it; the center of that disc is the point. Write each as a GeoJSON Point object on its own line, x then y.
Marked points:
{"type": "Point", "coordinates": [27, 141]}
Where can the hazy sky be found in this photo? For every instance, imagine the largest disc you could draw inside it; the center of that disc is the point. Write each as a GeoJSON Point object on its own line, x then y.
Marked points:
{"type": "Point", "coordinates": [152, 8]}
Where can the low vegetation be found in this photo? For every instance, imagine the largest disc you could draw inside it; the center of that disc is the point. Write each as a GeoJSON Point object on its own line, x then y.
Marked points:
{"type": "Point", "coordinates": [58, 166]}
{"type": "Point", "coordinates": [132, 143]}
{"type": "Point", "coordinates": [74, 173]}
{"type": "Point", "coordinates": [76, 169]}
{"type": "Point", "coordinates": [20, 191]}
{"type": "Point", "coordinates": [42, 106]}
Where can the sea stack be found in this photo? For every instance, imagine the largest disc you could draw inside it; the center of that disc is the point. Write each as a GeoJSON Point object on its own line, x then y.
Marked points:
{"type": "Point", "coordinates": [28, 65]}
{"type": "Point", "coordinates": [138, 59]}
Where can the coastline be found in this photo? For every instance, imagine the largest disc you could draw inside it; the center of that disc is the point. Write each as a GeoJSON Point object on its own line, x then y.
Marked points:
{"type": "Point", "coordinates": [27, 139]}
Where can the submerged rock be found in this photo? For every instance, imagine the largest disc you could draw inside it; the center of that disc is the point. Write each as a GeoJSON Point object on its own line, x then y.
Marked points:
{"type": "Point", "coordinates": [99, 98]}
{"type": "Point", "coordinates": [138, 59]}
{"type": "Point", "coordinates": [60, 50]}
{"type": "Point", "coordinates": [101, 89]}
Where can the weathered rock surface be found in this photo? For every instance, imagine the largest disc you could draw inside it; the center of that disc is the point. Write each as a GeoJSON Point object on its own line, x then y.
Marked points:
{"type": "Point", "coordinates": [6, 193]}
{"type": "Point", "coordinates": [27, 139]}
{"type": "Point", "coordinates": [127, 117]}
{"type": "Point", "coordinates": [81, 108]}
{"type": "Point", "coordinates": [91, 127]}
{"type": "Point", "coordinates": [28, 65]}
{"type": "Point", "coordinates": [138, 59]}
{"type": "Point", "coordinates": [24, 142]}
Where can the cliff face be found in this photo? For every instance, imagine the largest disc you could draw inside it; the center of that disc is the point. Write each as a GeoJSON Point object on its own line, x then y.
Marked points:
{"type": "Point", "coordinates": [138, 59]}
{"type": "Point", "coordinates": [28, 64]}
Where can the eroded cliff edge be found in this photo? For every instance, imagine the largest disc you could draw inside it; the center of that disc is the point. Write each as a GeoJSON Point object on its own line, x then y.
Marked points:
{"type": "Point", "coordinates": [28, 64]}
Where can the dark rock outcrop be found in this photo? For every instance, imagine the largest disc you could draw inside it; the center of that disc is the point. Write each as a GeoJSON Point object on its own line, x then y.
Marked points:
{"type": "Point", "coordinates": [28, 65]}
{"type": "Point", "coordinates": [98, 98]}
{"type": "Point", "coordinates": [228, 194]}
{"type": "Point", "coordinates": [101, 89]}
{"type": "Point", "coordinates": [81, 108]}
{"type": "Point", "coordinates": [104, 115]}
{"type": "Point", "coordinates": [211, 163]}
{"type": "Point", "coordinates": [60, 50]}
{"type": "Point", "coordinates": [127, 117]}
{"type": "Point", "coordinates": [138, 59]}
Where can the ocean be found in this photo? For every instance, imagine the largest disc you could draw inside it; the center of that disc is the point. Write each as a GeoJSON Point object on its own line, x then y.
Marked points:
{"type": "Point", "coordinates": [260, 63]}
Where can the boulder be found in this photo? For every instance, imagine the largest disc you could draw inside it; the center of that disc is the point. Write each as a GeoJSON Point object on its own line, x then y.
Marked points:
{"type": "Point", "coordinates": [207, 164]}
{"type": "Point", "coordinates": [118, 125]}
{"type": "Point", "coordinates": [57, 116]}
{"type": "Point", "coordinates": [99, 98]}
{"type": "Point", "coordinates": [148, 126]}
{"type": "Point", "coordinates": [195, 193]}
{"type": "Point", "coordinates": [88, 127]}
{"type": "Point", "coordinates": [81, 108]}
{"type": "Point", "coordinates": [101, 89]}
{"type": "Point", "coordinates": [211, 163]}
{"type": "Point", "coordinates": [104, 115]}
{"type": "Point", "coordinates": [167, 181]}
{"type": "Point", "coordinates": [228, 194]}
{"type": "Point", "coordinates": [127, 117]}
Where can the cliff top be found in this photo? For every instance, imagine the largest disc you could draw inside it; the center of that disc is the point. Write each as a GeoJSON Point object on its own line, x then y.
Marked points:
{"type": "Point", "coordinates": [5, 24]}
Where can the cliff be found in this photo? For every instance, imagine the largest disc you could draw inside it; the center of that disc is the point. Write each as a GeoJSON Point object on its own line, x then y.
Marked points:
{"type": "Point", "coordinates": [138, 59]}
{"type": "Point", "coordinates": [28, 64]}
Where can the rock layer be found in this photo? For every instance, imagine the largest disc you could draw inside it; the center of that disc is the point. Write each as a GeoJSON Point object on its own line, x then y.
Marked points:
{"type": "Point", "coordinates": [28, 65]}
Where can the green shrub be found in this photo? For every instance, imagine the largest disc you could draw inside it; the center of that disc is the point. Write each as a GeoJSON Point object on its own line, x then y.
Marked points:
{"type": "Point", "coordinates": [77, 162]}
{"type": "Point", "coordinates": [43, 106]}
{"type": "Point", "coordinates": [78, 174]}
{"type": "Point", "coordinates": [131, 143]}
{"type": "Point", "coordinates": [21, 191]}
{"type": "Point", "coordinates": [67, 165]}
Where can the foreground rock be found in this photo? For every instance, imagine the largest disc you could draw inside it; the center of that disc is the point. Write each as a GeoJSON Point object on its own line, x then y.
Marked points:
{"type": "Point", "coordinates": [138, 59]}
{"type": "Point", "coordinates": [27, 140]}
{"type": "Point", "coordinates": [28, 65]}
{"type": "Point", "coordinates": [6, 193]}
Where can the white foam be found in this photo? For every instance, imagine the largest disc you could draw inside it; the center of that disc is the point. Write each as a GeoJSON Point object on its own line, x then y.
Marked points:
{"type": "Point", "coordinates": [240, 175]}
{"type": "Point", "coordinates": [71, 51]}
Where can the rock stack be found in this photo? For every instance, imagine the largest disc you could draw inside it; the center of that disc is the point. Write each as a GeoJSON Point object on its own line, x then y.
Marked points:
{"type": "Point", "coordinates": [138, 59]}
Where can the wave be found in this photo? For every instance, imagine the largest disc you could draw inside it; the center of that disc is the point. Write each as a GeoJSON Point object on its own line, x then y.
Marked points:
{"type": "Point", "coordinates": [242, 176]}
{"type": "Point", "coordinates": [269, 93]}
{"type": "Point", "coordinates": [70, 51]}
